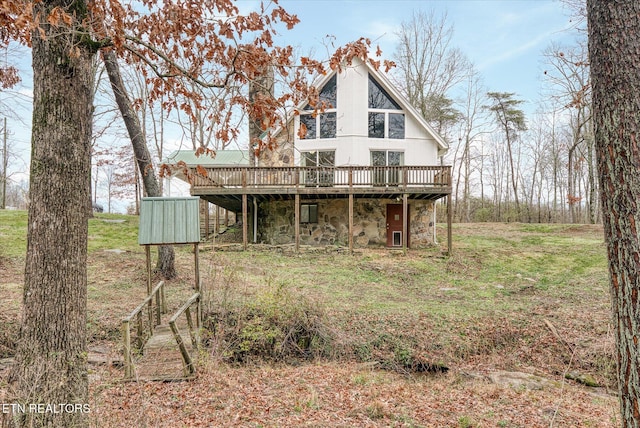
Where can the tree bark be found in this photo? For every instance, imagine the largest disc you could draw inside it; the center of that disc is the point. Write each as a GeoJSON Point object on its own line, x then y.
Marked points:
{"type": "Point", "coordinates": [51, 359]}
{"type": "Point", "coordinates": [614, 53]}
{"type": "Point", "coordinates": [166, 257]}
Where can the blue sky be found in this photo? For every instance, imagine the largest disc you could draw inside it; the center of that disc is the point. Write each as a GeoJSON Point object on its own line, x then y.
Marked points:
{"type": "Point", "coordinates": [503, 38]}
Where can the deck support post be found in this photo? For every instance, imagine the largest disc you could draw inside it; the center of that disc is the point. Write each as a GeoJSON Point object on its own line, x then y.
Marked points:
{"type": "Point", "coordinates": [449, 221]}
{"type": "Point", "coordinates": [350, 223]}
{"type": "Point", "coordinates": [297, 221]}
{"type": "Point", "coordinates": [196, 262]}
{"type": "Point", "coordinates": [244, 222]}
{"type": "Point", "coordinates": [405, 222]}
{"type": "Point", "coordinates": [205, 207]}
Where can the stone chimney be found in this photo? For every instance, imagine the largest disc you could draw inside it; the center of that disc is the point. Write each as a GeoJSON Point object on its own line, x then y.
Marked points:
{"type": "Point", "coordinates": [261, 86]}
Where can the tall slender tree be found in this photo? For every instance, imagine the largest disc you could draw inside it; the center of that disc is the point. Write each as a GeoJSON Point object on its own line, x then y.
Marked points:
{"type": "Point", "coordinates": [511, 120]}
{"type": "Point", "coordinates": [614, 54]}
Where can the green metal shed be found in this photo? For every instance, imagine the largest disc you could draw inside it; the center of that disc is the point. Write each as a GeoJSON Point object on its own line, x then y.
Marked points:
{"type": "Point", "coordinates": [169, 221]}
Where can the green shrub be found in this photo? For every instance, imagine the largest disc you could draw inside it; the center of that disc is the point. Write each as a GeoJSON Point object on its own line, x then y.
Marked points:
{"type": "Point", "coordinates": [277, 324]}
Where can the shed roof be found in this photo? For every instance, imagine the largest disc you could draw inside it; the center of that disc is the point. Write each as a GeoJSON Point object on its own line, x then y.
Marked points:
{"type": "Point", "coordinates": [169, 221]}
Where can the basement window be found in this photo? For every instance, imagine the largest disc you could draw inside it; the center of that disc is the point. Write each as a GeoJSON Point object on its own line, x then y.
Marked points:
{"type": "Point", "coordinates": [308, 213]}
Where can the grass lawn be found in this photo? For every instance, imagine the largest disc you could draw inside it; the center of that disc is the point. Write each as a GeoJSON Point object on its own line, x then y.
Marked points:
{"type": "Point", "coordinates": [512, 297]}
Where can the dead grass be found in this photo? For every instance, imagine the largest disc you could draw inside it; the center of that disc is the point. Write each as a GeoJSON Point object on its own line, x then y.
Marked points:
{"type": "Point", "coordinates": [344, 395]}
{"type": "Point", "coordinates": [486, 308]}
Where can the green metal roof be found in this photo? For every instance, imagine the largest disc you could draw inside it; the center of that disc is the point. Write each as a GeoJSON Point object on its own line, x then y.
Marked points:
{"type": "Point", "coordinates": [169, 221]}
{"type": "Point", "coordinates": [222, 158]}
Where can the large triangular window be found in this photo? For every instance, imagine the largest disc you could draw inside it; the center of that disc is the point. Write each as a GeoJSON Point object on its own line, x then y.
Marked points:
{"type": "Point", "coordinates": [328, 96]}
{"type": "Point", "coordinates": [385, 114]}
{"type": "Point", "coordinates": [379, 98]}
{"type": "Point", "coordinates": [322, 125]}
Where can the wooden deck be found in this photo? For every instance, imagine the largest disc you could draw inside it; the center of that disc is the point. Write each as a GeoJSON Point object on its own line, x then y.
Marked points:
{"type": "Point", "coordinates": [231, 187]}
{"type": "Point", "coordinates": [225, 186]}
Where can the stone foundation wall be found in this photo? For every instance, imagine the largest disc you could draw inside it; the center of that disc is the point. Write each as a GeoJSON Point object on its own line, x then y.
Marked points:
{"type": "Point", "coordinates": [276, 223]}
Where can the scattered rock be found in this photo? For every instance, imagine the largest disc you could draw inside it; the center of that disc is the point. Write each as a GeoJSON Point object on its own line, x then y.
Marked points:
{"type": "Point", "coordinates": [583, 378]}
{"type": "Point", "coordinates": [101, 356]}
{"type": "Point", "coordinates": [473, 375]}
{"type": "Point", "coordinates": [520, 380]}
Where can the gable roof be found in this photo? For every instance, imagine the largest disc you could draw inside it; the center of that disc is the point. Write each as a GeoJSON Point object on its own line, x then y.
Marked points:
{"type": "Point", "coordinates": [443, 146]}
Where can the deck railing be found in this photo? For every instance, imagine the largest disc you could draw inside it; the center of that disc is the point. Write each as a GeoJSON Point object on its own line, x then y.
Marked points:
{"type": "Point", "coordinates": [343, 176]}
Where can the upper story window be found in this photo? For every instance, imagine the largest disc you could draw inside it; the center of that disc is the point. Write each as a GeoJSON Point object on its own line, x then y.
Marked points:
{"type": "Point", "coordinates": [385, 115]}
{"type": "Point", "coordinates": [322, 125]}
{"type": "Point", "coordinates": [318, 177]}
{"type": "Point", "coordinates": [319, 158]}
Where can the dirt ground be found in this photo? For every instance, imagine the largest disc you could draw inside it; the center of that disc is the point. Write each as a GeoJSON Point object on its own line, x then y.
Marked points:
{"type": "Point", "coordinates": [321, 393]}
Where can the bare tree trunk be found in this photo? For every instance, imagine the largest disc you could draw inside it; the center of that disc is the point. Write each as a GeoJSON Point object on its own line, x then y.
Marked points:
{"type": "Point", "coordinates": [166, 257]}
{"type": "Point", "coordinates": [514, 177]}
{"type": "Point", "coordinates": [51, 358]}
{"type": "Point", "coordinates": [571, 184]}
{"type": "Point", "coordinates": [614, 38]}
{"type": "Point", "coordinates": [5, 164]}
{"type": "Point", "coordinates": [593, 184]}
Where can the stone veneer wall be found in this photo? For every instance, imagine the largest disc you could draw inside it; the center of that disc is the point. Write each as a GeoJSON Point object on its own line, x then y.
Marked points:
{"type": "Point", "coordinates": [276, 223]}
{"type": "Point", "coordinates": [281, 154]}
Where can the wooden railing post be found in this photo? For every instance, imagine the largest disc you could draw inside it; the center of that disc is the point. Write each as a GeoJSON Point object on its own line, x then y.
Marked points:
{"type": "Point", "coordinates": [194, 341]}
{"type": "Point", "coordinates": [139, 330]}
{"type": "Point", "coordinates": [158, 308]}
{"type": "Point", "coordinates": [189, 368]}
{"type": "Point", "coordinates": [163, 297]}
{"type": "Point", "coordinates": [128, 372]}
{"type": "Point", "coordinates": [188, 364]}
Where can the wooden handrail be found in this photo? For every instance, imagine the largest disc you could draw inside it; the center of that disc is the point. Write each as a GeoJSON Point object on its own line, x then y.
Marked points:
{"type": "Point", "coordinates": [158, 292]}
{"type": "Point", "coordinates": [145, 302]}
{"type": "Point", "coordinates": [189, 368]}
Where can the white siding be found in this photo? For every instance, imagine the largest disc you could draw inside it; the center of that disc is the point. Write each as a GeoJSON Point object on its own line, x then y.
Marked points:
{"type": "Point", "coordinates": [352, 144]}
